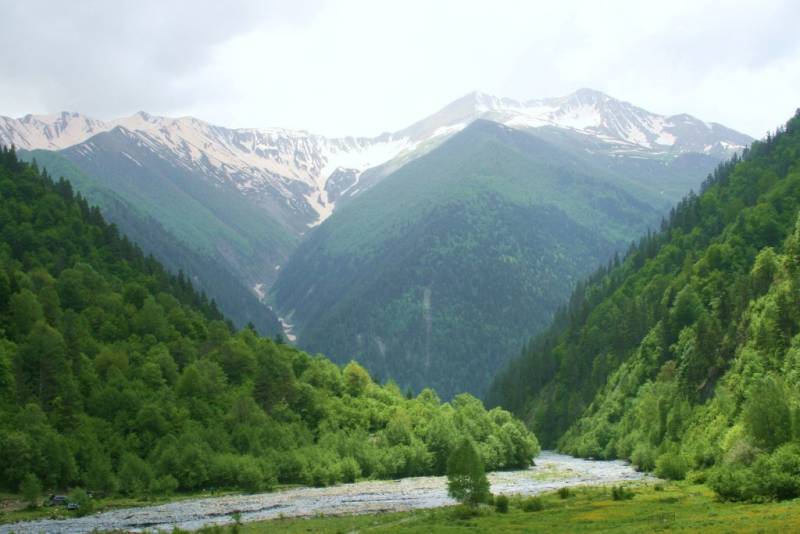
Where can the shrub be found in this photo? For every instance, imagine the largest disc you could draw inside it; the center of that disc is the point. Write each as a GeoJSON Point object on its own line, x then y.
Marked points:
{"type": "Point", "coordinates": [292, 467]}
{"type": "Point", "coordinates": [698, 477]}
{"type": "Point", "coordinates": [31, 490]}
{"type": "Point", "coordinates": [741, 452]}
{"type": "Point", "coordinates": [334, 473]}
{"type": "Point", "coordinates": [165, 485]}
{"type": "Point", "coordinates": [532, 504]}
{"type": "Point", "coordinates": [775, 476]}
{"type": "Point", "coordinates": [349, 469]}
{"type": "Point", "coordinates": [767, 415]}
{"type": "Point", "coordinates": [733, 483]}
{"type": "Point", "coordinates": [621, 493]}
{"type": "Point", "coordinates": [671, 466]}
{"type": "Point", "coordinates": [250, 478]}
{"type": "Point", "coordinates": [83, 500]}
{"type": "Point", "coordinates": [463, 511]}
{"type": "Point", "coordinates": [320, 476]}
{"type": "Point", "coordinates": [134, 475]}
{"type": "Point", "coordinates": [501, 504]}
{"type": "Point", "coordinates": [643, 457]}
{"type": "Point", "coordinates": [245, 472]}
{"type": "Point", "coordinates": [784, 476]}
{"type": "Point", "coordinates": [100, 476]}
{"type": "Point", "coordinates": [564, 492]}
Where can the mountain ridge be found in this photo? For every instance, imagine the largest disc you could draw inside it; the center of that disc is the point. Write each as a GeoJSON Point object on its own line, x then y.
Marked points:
{"type": "Point", "coordinates": [689, 328]}
{"type": "Point", "coordinates": [299, 165]}
{"type": "Point", "coordinates": [197, 180]}
{"type": "Point", "coordinates": [434, 275]}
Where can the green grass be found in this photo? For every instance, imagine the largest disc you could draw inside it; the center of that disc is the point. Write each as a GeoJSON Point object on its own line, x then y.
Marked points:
{"type": "Point", "coordinates": [675, 508]}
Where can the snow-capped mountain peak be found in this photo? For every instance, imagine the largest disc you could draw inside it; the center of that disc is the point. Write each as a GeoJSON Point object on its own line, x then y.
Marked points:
{"type": "Point", "coordinates": [307, 173]}
{"type": "Point", "coordinates": [624, 127]}
{"type": "Point", "coordinates": [52, 132]}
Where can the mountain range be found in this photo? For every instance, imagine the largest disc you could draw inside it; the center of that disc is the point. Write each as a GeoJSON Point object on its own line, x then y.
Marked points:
{"type": "Point", "coordinates": [299, 175]}
{"type": "Point", "coordinates": [241, 210]}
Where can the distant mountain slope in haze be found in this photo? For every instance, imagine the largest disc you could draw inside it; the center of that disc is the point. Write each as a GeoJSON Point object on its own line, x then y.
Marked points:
{"type": "Point", "coordinates": [436, 275]}
{"type": "Point", "coordinates": [190, 225]}
{"type": "Point", "coordinates": [288, 172]}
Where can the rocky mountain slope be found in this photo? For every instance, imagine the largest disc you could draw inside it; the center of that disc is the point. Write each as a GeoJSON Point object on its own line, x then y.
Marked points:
{"type": "Point", "coordinates": [303, 174]}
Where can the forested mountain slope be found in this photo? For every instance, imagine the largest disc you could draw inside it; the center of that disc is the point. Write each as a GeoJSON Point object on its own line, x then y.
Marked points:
{"type": "Point", "coordinates": [685, 356]}
{"type": "Point", "coordinates": [441, 270]}
{"type": "Point", "coordinates": [229, 205]}
{"type": "Point", "coordinates": [116, 376]}
{"type": "Point", "coordinates": [181, 233]}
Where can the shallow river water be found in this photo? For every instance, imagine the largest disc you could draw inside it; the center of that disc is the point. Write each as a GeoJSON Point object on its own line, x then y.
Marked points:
{"type": "Point", "coordinates": [552, 471]}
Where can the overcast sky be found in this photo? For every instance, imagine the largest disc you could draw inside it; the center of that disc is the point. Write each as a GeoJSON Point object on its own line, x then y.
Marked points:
{"type": "Point", "coordinates": [363, 67]}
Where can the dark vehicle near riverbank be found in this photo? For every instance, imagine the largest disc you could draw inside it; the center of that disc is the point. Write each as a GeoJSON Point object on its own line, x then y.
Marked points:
{"type": "Point", "coordinates": [56, 500]}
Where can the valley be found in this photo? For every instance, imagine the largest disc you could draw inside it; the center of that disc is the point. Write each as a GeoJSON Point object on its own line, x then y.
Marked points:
{"type": "Point", "coordinates": [350, 266]}
{"type": "Point", "coordinates": [669, 374]}
{"type": "Point", "coordinates": [284, 223]}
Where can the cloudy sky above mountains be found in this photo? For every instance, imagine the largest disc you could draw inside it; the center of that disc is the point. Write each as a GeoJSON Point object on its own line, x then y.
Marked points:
{"type": "Point", "coordinates": [360, 67]}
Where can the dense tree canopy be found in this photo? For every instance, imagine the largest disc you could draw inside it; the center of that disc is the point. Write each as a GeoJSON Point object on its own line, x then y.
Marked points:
{"type": "Point", "coordinates": [116, 376]}
{"type": "Point", "coordinates": [438, 273]}
{"type": "Point", "coordinates": [685, 354]}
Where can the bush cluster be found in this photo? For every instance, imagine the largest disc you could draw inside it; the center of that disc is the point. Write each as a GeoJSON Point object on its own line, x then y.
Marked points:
{"type": "Point", "coordinates": [532, 504]}
{"type": "Point", "coordinates": [621, 493]}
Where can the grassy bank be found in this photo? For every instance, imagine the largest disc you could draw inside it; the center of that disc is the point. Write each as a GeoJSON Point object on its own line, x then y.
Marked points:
{"type": "Point", "coordinates": [665, 508]}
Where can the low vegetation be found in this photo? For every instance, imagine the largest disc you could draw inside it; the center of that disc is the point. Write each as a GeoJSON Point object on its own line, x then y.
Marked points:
{"type": "Point", "coordinates": [675, 507]}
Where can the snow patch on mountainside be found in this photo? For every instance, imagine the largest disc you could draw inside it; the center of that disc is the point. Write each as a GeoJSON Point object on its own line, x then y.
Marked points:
{"type": "Point", "coordinates": [294, 168]}
{"type": "Point", "coordinates": [625, 128]}
{"type": "Point", "coordinates": [256, 161]}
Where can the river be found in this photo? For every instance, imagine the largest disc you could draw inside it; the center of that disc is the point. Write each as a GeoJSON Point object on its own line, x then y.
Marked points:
{"type": "Point", "coordinates": [552, 471]}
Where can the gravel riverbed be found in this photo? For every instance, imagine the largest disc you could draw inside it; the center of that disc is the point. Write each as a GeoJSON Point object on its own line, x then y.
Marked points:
{"type": "Point", "coordinates": [552, 471]}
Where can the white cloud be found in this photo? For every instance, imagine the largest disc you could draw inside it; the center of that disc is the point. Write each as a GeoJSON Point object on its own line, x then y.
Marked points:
{"type": "Point", "coordinates": [360, 67]}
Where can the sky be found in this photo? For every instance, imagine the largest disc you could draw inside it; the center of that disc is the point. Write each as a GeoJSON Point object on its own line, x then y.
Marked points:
{"type": "Point", "coordinates": [362, 67]}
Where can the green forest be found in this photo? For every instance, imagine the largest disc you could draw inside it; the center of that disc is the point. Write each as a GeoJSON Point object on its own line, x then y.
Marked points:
{"type": "Point", "coordinates": [120, 378]}
{"type": "Point", "coordinates": [684, 357]}
{"type": "Point", "coordinates": [184, 223]}
{"type": "Point", "coordinates": [440, 272]}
